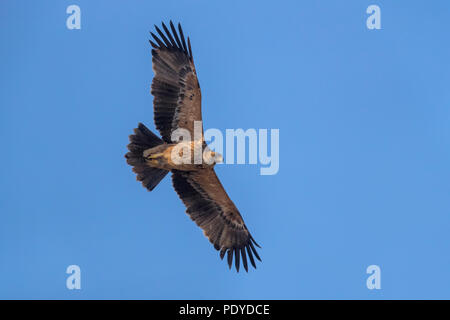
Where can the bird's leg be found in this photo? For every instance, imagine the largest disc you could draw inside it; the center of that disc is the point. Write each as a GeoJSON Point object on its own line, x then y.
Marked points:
{"type": "Point", "coordinates": [153, 163]}
{"type": "Point", "coordinates": [152, 159]}
{"type": "Point", "coordinates": [154, 156]}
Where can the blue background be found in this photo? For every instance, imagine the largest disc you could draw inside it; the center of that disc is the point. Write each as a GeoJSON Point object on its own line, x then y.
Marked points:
{"type": "Point", "coordinates": [364, 149]}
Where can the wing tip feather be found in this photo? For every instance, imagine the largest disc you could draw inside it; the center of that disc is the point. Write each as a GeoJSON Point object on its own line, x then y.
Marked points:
{"type": "Point", "coordinates": [167, 41]}
{"type": "Point", "coordinates": [240, 254]}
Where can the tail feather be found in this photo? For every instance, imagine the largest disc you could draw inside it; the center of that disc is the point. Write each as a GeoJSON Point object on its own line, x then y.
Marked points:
{"type": "Point", "coordinates": [141, 140]}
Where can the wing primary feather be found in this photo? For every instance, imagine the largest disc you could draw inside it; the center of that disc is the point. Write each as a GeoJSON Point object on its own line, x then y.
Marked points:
{"type": "Point", "coordinates": [160, 43]}
{"type": "Point", "coordinates": [219, 235]}
{"type": "Point", "coordinates": [230, 257]}
{"type": "Point", "coordinates": [244, 259]}
{"type": "Point", "coordinates": [174, 45]}
{"type": "Point", "coordinates": [254, 251]}
{"type": "Point", "coordinates": [190, 49]}
{"type": "Point", "coordinates": [153, 44]}
{"type": "Point", "coordinates": [222, 253]}
{"type": "Point", "coordinates": [168, 44]}
{"type": "Point", "coordinates": [174, 31]}
{"type": "Point", "coordinates": [250, 255]}
{"type": "Point", "coordinates": [237, 254]}
{"type": "Point", "coordinates": [251, 238]}
{"type": "Point", "coordinates": [182, 38]}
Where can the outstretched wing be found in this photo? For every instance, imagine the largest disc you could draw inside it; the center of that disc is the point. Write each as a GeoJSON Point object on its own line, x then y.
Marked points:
{"type": "Point", "coordinates": [212, 210]}
{"type": "Point", "coordinates": [176, 91]}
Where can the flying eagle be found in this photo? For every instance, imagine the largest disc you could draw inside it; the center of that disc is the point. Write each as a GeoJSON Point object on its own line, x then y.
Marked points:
{"type": "Point", "coordinates": [177, 105]}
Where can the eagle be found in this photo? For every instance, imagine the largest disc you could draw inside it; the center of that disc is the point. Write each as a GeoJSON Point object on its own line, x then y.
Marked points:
{"type": "Point", "coordinates": [177, 105]}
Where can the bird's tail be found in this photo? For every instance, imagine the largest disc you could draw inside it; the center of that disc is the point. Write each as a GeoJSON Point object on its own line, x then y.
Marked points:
{"type": "Point", "coordinates": [141, 140]}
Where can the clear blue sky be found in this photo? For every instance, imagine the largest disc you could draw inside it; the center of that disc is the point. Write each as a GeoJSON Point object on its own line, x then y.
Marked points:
{"type": "Point", "coordinates": [364, 119]}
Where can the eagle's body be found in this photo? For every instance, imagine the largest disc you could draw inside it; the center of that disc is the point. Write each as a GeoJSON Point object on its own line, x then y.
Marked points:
{"type": "Point", "coordinates": [163, 156]}
{"type": "Point", "coordinates": [177, 105]}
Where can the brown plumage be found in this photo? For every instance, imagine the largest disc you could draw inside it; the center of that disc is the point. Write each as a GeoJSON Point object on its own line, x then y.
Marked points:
{"type": "Point", "coordinates": [177, 104]}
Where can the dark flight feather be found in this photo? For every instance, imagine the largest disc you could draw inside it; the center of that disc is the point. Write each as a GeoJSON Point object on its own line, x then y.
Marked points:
{"type": "Point", "coordinates": [172, 41]}
{"type": "Point", "coordinates": [230, 257]}
{"type": "Point", "coordinates": [163, 37]}
{"type": "Point", "coordinates": [250, 255]}
{"type": "Point", "coordinates": [174, 31]}
{"type": "Point", "coordinates": [182, 38]}
{"type": "Point", "coordinates": [244, 259]}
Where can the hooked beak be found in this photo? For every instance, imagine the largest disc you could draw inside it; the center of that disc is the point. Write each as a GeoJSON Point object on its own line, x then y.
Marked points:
{"type": "Point", "coordinates": [217, 157]}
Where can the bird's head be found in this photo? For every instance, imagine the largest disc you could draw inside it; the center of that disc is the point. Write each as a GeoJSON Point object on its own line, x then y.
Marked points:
{"type": "Point", "coordinates": [218, 158]}
{"type": "Point", "coordinates": [211, 158]}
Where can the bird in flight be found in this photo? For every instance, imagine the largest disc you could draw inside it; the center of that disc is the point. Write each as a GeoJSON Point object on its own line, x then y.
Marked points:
{"type": "Point", "coordinates": [177, 106]}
